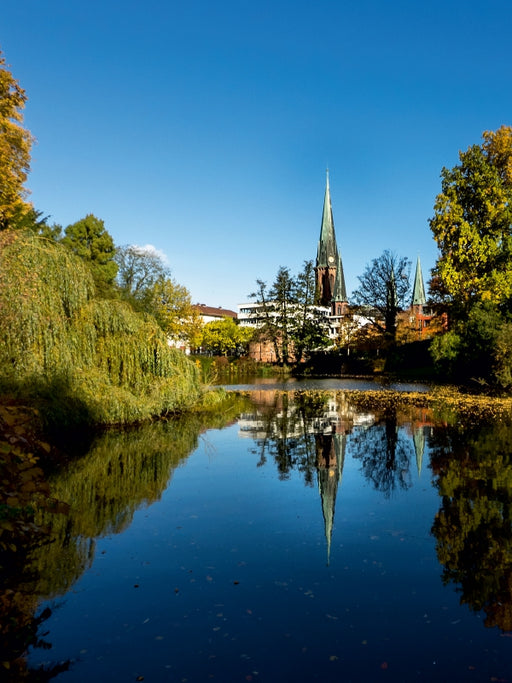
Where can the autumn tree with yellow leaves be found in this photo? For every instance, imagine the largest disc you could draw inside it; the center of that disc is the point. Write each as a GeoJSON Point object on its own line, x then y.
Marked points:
{"type": "Point", "coordinates": [472, 226]}
{"type": "Point", "coordinates": [15, 146]}
{"type": "Point", "coordinates": [472, 279]}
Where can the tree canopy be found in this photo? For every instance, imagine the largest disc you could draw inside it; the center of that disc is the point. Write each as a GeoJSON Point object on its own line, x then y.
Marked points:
{"type": "Point", "coordinates": [89, 239]}
{"type": "Point", "coordinates": [226, 338]}
{"type": "Point", "coordinates": [139, 268]}
{"type": "Point", "coordinates": [15, 146]}
{"type": "Point", "coordinates": [472, 226]}
{"type": "Point", "coordinates": [171, 305]}
{"type": "Point", "coordinates": [94, 356]}
{"type": "Point", "coordinates": [383, 290]}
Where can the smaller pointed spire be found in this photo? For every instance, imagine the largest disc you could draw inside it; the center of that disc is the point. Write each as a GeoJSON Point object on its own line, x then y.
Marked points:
{"type": "Point", "coordinates": [418, 293]}
{"type": "Point", "coordinates": [340, 290]}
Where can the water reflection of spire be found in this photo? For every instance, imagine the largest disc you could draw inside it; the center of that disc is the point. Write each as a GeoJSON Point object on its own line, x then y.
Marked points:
{"type": "Point", "coordinates": [418, 438]}
{"type": "Point", "coordinates": [330, 450]}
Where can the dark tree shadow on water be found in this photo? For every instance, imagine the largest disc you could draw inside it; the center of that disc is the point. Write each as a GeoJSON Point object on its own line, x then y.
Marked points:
{"type": "Point", "coordinates": [472, 467]}
{"type": "Point", "coordinates": [385, 453]}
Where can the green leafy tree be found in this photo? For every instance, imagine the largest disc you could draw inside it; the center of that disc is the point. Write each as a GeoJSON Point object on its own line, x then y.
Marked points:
{"type": "Point", "coordinates": [226, 338]}
{"type": "Point", "coordinates": [171, 305]}
{"type": "Point", "coordinates": [89, 239]}
{"type": "Point", "coordinates": [472, 226]}
{"type": "Point", "coordinates": [477, 349]}
{"type": "Point", "coordinates": [139, 269]}
{"type": "Point", "coordinates": [92, 359]}
{"type": "Point", "coordinates": [383, 291]}
{"type": "Point", "coordinates": [15, 146]}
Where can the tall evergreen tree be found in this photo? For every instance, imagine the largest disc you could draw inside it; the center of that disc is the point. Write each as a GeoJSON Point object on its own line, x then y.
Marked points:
{"type": "Point", "coordinates": [89, 239]}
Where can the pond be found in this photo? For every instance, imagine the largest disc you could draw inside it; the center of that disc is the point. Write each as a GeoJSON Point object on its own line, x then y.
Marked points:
{"type": "Point", "coordinates": [294, 537]}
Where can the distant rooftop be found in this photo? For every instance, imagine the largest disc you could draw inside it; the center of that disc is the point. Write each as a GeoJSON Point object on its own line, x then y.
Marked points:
{"type": "Point", "coordinates": [215, 311]}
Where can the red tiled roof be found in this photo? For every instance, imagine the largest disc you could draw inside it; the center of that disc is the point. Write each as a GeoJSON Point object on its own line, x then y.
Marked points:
{"type": "Point", "coordinates": [214, 312]}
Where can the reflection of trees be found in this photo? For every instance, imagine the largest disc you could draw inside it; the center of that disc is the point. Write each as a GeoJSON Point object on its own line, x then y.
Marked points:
{"type": "Point", "coordinates": [286, 435]}
{"type": "Point", "coordinates": [384, 452]}
{"type": "Point", "coordinates": [306, 432]}
{"type": "Point", "coordinates": [123, 470]}
{"type": "Point", "coordinates": [473, 527]}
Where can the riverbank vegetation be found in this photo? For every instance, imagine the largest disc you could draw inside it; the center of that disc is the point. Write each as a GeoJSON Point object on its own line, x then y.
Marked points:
{"type": "Point", "coordinates": [79, 357]}
{"type": "Point", "coordinates": [472, 279]}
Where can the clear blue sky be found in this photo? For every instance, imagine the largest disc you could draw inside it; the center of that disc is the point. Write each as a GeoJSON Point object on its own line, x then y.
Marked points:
{"type": "Point", "coordinates": [204, 127]}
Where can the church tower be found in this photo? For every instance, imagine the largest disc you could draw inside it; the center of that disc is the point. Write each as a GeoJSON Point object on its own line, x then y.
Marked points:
{"type": "Point", "coordinates": [330, 279]}
{"type": "Point", "coordinates": [418, 293]}
{"type": "Point", "coordinates": [421, 315]}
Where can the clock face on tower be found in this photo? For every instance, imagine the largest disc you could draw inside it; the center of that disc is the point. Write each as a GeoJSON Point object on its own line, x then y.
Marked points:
{"type": "Point", "coordinates": [331, 259]}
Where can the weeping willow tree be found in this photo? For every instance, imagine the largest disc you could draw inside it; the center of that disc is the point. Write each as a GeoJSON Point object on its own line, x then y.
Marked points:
{"type": "Point", "coordinates": [96, 356]}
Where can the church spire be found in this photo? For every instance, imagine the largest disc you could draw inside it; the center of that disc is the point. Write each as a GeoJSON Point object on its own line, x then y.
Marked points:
{"type": "Point", "coordinates": [327, 252]}
{"type": "Point", "coordinates": [329, 287]}
{"type": "Point", "coordinates": [418, 293]}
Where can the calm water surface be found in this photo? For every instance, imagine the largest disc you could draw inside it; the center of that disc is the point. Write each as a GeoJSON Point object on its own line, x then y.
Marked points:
{"type": "Point", "coordinates": [295, 538]}
{"type": "Point", "coordinates": [324, 384]}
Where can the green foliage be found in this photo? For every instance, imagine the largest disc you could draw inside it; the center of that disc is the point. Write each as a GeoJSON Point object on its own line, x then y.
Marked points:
{"type": "Point", "coordinates": [171, 305]}
{"type": "Point", "coordinates": [89, 239]}
{"type": "Point", "coordinates": [445, 349]}
{"type": "Point", "coordinates": [139, 269]}
{"type": "Point", "coordinates": [503, 356]}
{"type": "Point", "coordinates": [287, 315]}
{"type": "Point", "coordinates": [145, 282]}
{"type": "Point", "coordinates": [472, 226]}
{"type": "Point", "coordinates": [98, 358]}
{"type": "Point", "coordinates": [479, 349]}
{"type": "Point", "coordinates": [226, 338]}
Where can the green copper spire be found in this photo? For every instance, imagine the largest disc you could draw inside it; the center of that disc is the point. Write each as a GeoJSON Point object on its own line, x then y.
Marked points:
{"type": "Point", "coordinates": [340, 290]}
{"type": "Point", "coordinates": [419, 447]}
{"type": "Point", "coordinates": [418, 293]}
{"type": "Point", "coordinates": [327, 253]}
{"type": "Point", "coordinates": [329, 478]}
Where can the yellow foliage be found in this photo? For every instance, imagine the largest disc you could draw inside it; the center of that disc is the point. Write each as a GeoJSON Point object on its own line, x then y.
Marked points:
{"type": "Point", "coordinates": [15, 145]}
